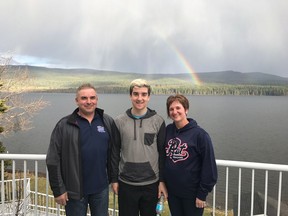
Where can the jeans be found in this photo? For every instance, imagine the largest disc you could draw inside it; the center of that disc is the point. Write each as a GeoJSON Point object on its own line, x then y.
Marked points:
{"type": "Point", "coordinates": [98, 204]}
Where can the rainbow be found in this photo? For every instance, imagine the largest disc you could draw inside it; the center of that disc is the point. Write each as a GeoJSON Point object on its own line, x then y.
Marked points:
{"type": "Point", "coordinates": [183, 60]}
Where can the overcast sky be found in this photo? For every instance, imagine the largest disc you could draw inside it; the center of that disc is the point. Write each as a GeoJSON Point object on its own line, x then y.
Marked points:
{"type": "Point", "coordinates": [143, 35]}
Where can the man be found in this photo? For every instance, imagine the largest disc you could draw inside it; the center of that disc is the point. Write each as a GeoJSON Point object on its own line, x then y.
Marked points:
{"type": "Point", "coordinates": [137, 162]}
{"type": "Point", "coordinates": [78, 155]}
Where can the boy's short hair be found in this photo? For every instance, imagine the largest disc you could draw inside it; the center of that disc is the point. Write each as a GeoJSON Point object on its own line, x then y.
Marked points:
{"type": "Point", "coordinates": [139, 83]}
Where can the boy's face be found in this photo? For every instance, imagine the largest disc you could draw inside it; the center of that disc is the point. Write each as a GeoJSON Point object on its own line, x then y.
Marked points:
{"type": "Point", "coordinates": [139, 98]}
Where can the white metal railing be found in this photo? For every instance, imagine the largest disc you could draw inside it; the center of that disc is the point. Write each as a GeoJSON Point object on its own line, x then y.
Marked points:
{"type": "Point", "coordinates": [232, 179]}
{"type": "Point", "coordinates": [18, 186]}
{"type": "Point", "coordinates": [240, 165]}
{"type": "Point", "coordinates": [14, 195]}
{"type": "Point", "coordinates": [34, 202]}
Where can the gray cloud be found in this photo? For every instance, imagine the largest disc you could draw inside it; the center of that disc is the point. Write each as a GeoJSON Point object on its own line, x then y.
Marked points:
{"type": "Point", "coordinates": [139, 36]}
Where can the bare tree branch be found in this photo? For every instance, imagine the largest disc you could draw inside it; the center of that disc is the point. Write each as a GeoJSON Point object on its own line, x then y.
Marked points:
{"type": "Point", "coordinates": [19, 111]}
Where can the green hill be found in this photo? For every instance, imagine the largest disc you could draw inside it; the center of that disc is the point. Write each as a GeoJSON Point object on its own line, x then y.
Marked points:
{"type": "Point", "coordinates": [213, 83]}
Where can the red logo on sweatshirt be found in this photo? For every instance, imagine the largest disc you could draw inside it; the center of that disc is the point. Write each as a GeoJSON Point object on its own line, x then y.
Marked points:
{"type": "Point", "coordinates": [176, 150]}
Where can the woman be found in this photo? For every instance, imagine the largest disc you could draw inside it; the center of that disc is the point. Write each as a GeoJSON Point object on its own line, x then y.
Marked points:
{"type": "Point", "coordinates": [190, 167]}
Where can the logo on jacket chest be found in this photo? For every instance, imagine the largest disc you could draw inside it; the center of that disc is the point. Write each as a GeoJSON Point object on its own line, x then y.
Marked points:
{"type": "Point", "coordinates": [176, 150]}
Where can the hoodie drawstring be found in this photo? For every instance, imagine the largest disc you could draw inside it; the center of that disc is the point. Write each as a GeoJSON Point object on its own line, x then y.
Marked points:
{"type": "Point", "coordinates": [135, 127]}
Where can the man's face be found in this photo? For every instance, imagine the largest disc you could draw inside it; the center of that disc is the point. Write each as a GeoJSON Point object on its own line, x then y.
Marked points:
{"type": "Point", "coordinates": [139, 98]}
{"type": "Point", "coordinates": [87, 101]}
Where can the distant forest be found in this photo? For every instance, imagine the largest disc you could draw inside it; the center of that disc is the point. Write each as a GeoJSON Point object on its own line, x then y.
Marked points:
{"type": "Point", "coordinates": [195, 90]}
{"type": "Point", "coordinates": [213, 83]}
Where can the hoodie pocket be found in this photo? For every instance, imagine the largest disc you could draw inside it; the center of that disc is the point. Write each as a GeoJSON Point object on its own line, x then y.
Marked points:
{"type": "Point", "coordinates": [137, 172]}
{"type": "Point", "coordinates": [149, 138]}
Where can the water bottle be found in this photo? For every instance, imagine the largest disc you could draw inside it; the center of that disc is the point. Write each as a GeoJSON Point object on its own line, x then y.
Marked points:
{"type": "Point", "coordinates": [160, 205]}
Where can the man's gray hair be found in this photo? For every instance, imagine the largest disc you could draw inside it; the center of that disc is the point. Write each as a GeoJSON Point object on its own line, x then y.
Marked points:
{"type": "Point", "coordinates": [85, 86]}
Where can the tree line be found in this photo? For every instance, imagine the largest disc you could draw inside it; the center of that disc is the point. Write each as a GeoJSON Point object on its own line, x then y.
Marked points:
{"type": "Point", "coordinates": [249, 90]}
{"type": "Point", "coordinates": [199, 90]}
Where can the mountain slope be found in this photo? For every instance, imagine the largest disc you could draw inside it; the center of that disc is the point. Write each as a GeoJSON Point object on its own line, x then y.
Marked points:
{"type": "Point", "coordinates": [233, 77]}
{"type": "Point", "coordinates": [221, 77]}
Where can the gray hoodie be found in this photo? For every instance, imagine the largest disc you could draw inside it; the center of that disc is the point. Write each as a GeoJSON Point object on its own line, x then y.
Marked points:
{"type": "Point", "coordinates": [139, 160]}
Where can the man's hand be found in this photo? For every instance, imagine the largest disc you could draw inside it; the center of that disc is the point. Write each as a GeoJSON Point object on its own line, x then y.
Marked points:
{"type": "Point", "coordinates": [115, 187]}
{"type": "Point", "coordinates": [200, 203]}
{"type": "Point", "coordinates": [62, 199]}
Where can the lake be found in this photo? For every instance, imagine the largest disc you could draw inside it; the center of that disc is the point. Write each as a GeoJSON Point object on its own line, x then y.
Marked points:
{"type": "Point", "coordinates": [246, 128]}
{"type": "Point", "coordinates": [243, 128]}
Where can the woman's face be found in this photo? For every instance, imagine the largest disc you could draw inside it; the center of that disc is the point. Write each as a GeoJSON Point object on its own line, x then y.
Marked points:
{"type": "Point", "coordinates": [177, 112]}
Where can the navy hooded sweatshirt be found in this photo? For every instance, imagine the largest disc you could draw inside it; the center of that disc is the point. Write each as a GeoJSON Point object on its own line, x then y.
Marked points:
{"type": "Point", "coordinates": [190, 166]}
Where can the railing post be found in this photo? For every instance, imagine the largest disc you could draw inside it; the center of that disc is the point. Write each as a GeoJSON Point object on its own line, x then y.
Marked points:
{"type": "Point", "coordinates": [47, 191]}
{"type": "Point", "coordinates": [214, 201]}
{"type": "Point", "coordinates": [25, 189]}
{"type": "Point", "coordinates": [252, 192]}
{"type": "Point", "coordinates": [2, 187]}
{"type": "Point", "coordinates": [279, 194]}
{"type": "Point", "coordinates": [36, 187]}
{"type": "Point", "coordinates": [266, 192]}
{"type": "Point", "coordinates": [114, 204]}
{"type": "Point", "coordinates": [239, 192]}
{"type": "Point", "coordinates": [226, 192]}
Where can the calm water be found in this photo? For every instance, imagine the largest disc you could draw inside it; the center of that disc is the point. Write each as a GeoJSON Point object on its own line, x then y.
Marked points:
{"type": "Point", "coordinates": [244, 128]}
